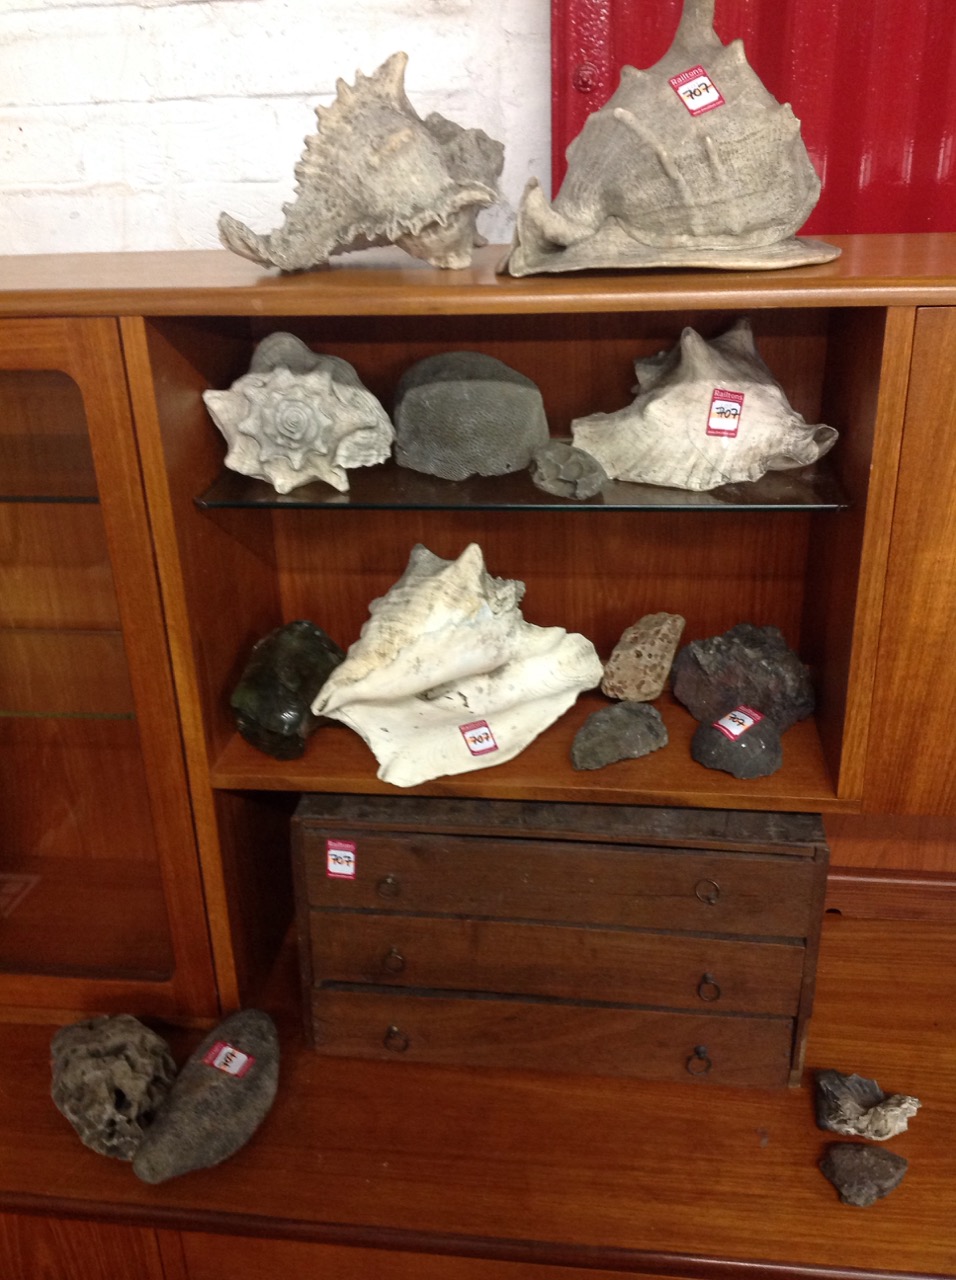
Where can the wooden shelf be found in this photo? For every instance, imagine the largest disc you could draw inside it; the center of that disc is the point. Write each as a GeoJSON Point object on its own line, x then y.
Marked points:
{"type": "Point", "coordinates": [337, 760]}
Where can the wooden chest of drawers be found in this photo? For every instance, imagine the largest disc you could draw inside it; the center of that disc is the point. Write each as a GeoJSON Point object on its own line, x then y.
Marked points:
{"type": "Point", "coordinates": [662, 943]}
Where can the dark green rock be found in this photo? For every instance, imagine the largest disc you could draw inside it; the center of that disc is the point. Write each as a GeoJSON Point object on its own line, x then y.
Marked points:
{"type": "Point", "coordinates": [217, 1102]}
{"type": "Point", "coordinates": [273, 700]}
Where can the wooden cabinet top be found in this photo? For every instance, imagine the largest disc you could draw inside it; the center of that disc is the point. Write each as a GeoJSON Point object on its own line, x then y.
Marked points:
{"type": "Point", "coordinates": [873, 270]}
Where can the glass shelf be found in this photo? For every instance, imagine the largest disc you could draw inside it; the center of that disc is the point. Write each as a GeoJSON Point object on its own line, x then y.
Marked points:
{"type": "Point", "coordinates": [389, 486]}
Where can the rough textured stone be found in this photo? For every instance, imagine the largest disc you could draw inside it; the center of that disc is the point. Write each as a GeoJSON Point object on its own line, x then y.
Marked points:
{"type": "Point", "coordinates": [747, 664]}
{"type": "Point", "coordinates": [218, 1100]}
{"type": "Point", "coordinates": [641, 662]}
{"type": "Point", "coordinates": [857, 1107]}
{"type": "Point", "coordinates": [273, 700]}
{"type": "Point", "coordinates": [463, 413]}
{"type": "Point", "coordinates": [739, 743]}
{"type": "Point", "coordinates": [625, 731]}
{"type": "Point", "coordinates": [109, 1077]}
{"type": "Point", "coordinates": [567, 472]}
{"type": "Point", "coordinates": [862, 1175]}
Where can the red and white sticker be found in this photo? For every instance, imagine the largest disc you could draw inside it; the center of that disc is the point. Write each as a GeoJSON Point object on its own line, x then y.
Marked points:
{"type": "Point", "coordinates": [696, 90]}
{"type": "Point", "coordinates": [736, 723]}
{"type": "Point", "coordinates": [726, 408]}
{"type": "Point", "coordinates": [479, 739]}
{"type": "Point", "coordinates": [228, 1059]}
{"type": "Point", "coordinates": [340, 859]}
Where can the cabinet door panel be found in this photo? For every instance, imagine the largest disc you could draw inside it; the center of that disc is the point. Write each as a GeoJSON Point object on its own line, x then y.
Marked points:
{"type": "Point", "coordinates": [52, 1249]}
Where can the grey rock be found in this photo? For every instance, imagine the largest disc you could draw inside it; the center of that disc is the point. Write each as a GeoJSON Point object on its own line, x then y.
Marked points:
{"type": "Point", "coordinates": [862, 1175]}
{"type": "Point", "coordinates": [110, 1075]}
{"type": "Point", "coordinates": [858, 1107]}
{"type": "Point", "coordinates": [625, 731]}
{"type": "Point", "coordinates": [219, 1099]}
{"type": "Point", "coordinates": [746, 665]}
{"type": "Point", "coordinates": [567, 472]}
{"type": "Point", "coordinates": [463, 413]}
{"type": "Point", "coordinates": [638, 668]}
{"type": "Point", "coordinates": [737, 743]}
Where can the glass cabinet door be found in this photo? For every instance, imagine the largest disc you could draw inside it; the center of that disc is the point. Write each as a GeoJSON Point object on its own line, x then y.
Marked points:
{"type": "Point", "coordinates": [100, 895]}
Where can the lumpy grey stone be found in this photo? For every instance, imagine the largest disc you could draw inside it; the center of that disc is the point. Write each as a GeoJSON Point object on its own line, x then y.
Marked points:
{"type": "Point", "coordinates": [110, 1075]}
{"type": "Point", "coordinates": [858, 1107]}
{"type": "Point", "coordinates": [463, 413]}
{"type": "Point", "coordinates": [638, 668]}
{"type": "Point", "coordinates": [219, 1099]}
{"type": "Point", "coordinates": [625, 731]}
{"type": "Point", "coordinates": [756, 753]}
{"type": "Point", "coordinates": [861, 1174]}
{"type": "Point", "coordinates": [273, 700]}
{"type": "Point", "coordinates": [747, 664]}
{"type": "Point", "coordinates": [567, 472]}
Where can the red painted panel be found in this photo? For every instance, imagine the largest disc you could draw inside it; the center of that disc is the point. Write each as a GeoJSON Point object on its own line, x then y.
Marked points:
{"type": "Point", "coordinates": [872, 81]}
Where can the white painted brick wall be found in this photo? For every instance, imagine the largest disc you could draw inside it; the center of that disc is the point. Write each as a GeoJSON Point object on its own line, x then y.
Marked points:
{"type": "Point", "coordinates": [131, 125]}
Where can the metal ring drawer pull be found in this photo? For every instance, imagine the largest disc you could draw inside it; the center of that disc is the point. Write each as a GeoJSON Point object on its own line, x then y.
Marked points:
{"type": "Point", "coordinates": [393, 961]}
{"type": "Point", "coordinates": [707, 891]}
{"type": "Point", "coordinates": [388, 887]}
{"type": "Point", "coordinates": [708, 988]}
{"type": "Point", "coordinates": [396, 1041]}
{"type": "Point", "coordinates": [698, 1064]}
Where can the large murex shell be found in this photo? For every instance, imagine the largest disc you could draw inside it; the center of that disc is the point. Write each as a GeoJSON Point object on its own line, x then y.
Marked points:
{"type": "Point", "coordinates": [447, 676]}
{"type": "Point", "coordinates": [377, 174]}
{"type": "Point", "coordinates": [673, 433]}
{"type": "Point", "coordinates": [297, 416]}
{"type": "Point", "coordinates": [691, 163]}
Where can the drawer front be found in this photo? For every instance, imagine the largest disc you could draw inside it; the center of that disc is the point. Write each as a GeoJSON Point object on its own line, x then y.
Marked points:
{"type": "Point", "coordinates": [575, 883]}
{"type": "Point", "coordinates": [702, 974]}
{"type": "Point", "coordinates": [553, 1036]}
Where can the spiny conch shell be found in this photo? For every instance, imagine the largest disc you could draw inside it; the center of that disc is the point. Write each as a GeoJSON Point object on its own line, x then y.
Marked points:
{"type": "Point", "coordinates": [706, 414]}
{"type": "Point", "coordinates": [691, 163]}
{"type": "Point", "coordinates": [297, 416]}
{"type": "Point", "coordinates": [377, 174]}
{"type": "Point", "coordinates": [447, 676]}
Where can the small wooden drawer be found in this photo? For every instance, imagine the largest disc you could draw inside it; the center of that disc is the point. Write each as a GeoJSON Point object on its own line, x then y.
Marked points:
{"type": "Point", "coordinates": [553, 1035]}
{"type": "Point", "coordinates": [718, 975]}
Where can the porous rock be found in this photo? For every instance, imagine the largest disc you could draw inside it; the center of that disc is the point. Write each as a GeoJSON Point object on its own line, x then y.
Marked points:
{"type": "Point", "coordinates": [110, 1075]}
{"type": "Point", "coordinates": [272, 702]}
{"type": "Point", "coordinates": [638, 668]}
{"type": "Point", "coordinates": [567, 472]}
{"type": "Point", "coordinates": [463, 413]}
{"type": "Point", "coordinates": [624, 731]}
{"type": "Point", "coordinates": [742, 743]}
{"type": "Point", "coordinates": [219, 1099]}
{"type": "Point", "coordinates": [862, 1175]}
{"type": "Point", "coordinates": [747, 664]}
{"type": "Point", "coordinates": [857, 1107]}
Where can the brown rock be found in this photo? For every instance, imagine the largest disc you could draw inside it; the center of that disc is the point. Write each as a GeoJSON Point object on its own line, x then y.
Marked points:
{"type": "Point", "coordinates": [638, 668]}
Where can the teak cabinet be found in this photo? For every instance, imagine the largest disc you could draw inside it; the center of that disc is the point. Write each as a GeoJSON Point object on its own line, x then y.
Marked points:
{"type": "Point", "coordinates": [116, 351]}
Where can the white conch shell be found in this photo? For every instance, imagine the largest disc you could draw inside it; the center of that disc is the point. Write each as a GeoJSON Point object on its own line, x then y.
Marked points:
{"type": "Point", "coordinates": [447, 676]}
{"type": "Point", "coordinates": [691, 163]}
{"type": "Point", "coordinates": [675, 434]}
{"type": "Point", "coordinates": [290, 428]}
{"type": "Point", "coordinates": [377, 174]}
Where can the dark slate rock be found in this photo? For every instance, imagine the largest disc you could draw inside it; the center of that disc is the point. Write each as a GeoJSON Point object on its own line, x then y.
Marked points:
{"type": "Point", "coordinates": [463, 413]}
{"type": "Point", "coordinates": [861, 1174]}
{"type": "Point", "coordinates": [567, 472]}
{"type": "Point", "coordinates": [624, 731]}
{"type": "Point", "coordinates": [747, 664]}
{"type": "Point", "coordinates": [273, 700]}
{"type": "Point", "coordinates": [110, 1075]}
{"type": "Point", "coordinates": [739, 744]}
{"type": "Point", "coordinates": [219, 1099]}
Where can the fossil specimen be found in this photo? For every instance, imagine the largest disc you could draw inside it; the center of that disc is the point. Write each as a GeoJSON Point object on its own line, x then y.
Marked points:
{"type": "Point", "coordinates": [448, 677]}
{"type": "Point", "coordinates": [638, 668]}
{"type": "Point", "coordinates": [290, 427]}
{"type": "Point", "coordinates": [706, 413]}
{"type": "Point", "coordinates": [567, 472]}
{"type": "Point", "coordinates": [691, 163]}
{"type": "Point", "coordinates": [857, 1107]}
{"type": "Point", "coordinates": [110, 1075]}
{"type": "Point", "coordinates": [375, 174]}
